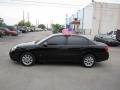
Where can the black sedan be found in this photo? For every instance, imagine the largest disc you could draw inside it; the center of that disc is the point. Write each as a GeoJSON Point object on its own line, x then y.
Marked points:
{"type": "Point", "coordinates": [106, 39]}
{"type": "Point", "coordinates": [60, 48]}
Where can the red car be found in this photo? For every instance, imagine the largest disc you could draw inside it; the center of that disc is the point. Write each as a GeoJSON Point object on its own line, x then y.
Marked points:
{"type": "Point", "coordinates": [2, 33]}
{"type": "Point", "coordinates": [10, 33]}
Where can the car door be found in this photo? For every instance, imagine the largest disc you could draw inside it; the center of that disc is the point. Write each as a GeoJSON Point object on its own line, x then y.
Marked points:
{"type": "Point", "coordinates": [53, 49]}
{"type": "Point", "coordinates": [77, 45]}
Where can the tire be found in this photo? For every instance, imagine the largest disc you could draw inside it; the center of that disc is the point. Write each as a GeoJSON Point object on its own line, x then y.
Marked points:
{"type": "Point", "coordinates": [88, 60]}
{"type": "Point", "coordinates": [27, 59]}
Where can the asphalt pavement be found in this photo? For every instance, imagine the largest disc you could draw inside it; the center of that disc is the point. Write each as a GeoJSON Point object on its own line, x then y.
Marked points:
{"type": "Point", "coordinates": [14, 76]}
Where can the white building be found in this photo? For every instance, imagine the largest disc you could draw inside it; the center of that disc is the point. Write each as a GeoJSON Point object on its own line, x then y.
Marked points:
{"type": "Point", "coordinates": [99, 17]}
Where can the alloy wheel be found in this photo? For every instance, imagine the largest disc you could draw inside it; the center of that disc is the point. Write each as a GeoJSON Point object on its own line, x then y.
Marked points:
{"type": "Point", "coordinates": [27, 59]}
{"type": "Point", "coordinates": [89, 61]}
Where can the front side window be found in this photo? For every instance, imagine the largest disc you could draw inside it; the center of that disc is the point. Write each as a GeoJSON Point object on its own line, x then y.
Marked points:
{"type": "Point", "coordinates": [77, 40]}
{"type": "Point", "coordinates": [56, 40]}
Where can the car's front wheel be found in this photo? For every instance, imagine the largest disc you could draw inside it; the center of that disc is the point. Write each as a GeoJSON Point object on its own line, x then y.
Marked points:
{"type": "Point", "coordinates": [88, 60]}
{"type": "Point", "coordinates": [27, 59]}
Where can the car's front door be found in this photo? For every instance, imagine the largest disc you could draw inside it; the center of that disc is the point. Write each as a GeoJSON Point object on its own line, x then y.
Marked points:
{"type": "Point", "coordinates": [53, 49]}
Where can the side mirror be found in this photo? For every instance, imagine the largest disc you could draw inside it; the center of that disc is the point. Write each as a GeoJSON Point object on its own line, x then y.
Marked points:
{"type": "Point", "coordinates": [45, 44]}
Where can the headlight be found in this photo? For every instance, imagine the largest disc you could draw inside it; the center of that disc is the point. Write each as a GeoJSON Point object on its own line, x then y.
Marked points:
{"type": "Point", "coordinates": [13, 49]}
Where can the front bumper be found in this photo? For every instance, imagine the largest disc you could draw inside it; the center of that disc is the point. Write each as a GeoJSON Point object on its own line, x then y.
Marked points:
{"type": "Point", "coordinates": [14, 55]}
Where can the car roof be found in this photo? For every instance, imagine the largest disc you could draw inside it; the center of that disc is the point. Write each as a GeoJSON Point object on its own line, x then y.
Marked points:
{"type": "Point", "coordinates": [61, 34]}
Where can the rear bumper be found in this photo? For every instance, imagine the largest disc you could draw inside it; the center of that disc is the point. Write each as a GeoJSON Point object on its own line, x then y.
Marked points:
{"type": "Point", "coordinates": [102, 57]}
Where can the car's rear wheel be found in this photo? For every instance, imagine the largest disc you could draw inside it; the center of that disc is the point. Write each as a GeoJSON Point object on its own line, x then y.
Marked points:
{"type": "Point", "coordinates": [27, 59]}
{"type": "Point", "coordinates": [88, 60]}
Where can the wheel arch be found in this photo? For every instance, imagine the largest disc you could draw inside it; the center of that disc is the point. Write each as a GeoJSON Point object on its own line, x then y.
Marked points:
{"type": "Point", "coordinates": [27, 52]}
{"type": "Point", "coordinates": [89, 52]}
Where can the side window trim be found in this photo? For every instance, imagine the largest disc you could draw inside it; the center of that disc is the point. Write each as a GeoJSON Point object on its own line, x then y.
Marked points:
{"type": "Point", "coordinates": [53, 37]}
{"type": "Point", "coordinates": [67, 42]}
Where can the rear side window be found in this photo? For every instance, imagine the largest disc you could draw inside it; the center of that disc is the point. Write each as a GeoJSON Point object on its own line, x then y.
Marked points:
{"type": "Point", "coordinates": [77, 40]}
{"type": "Point", "coordinates": [56, 40]}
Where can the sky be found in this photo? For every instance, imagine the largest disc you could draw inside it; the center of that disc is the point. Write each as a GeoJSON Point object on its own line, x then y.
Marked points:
{"type": "Point", "coordinates": [44, 12]}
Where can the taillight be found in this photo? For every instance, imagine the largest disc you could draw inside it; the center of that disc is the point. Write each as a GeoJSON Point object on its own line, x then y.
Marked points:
{"type": "Point", "coordinates": [106, 49]}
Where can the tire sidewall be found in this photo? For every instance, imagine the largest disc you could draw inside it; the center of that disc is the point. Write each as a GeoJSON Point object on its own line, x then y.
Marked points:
{"type": "Point", "coordinates": [87, 56]}
{"type": "Point", "coordinates": [27, 53]}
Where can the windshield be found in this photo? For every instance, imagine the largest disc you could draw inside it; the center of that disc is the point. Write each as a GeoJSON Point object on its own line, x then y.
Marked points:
{"type": "Point", "coordinates": [112, 32]}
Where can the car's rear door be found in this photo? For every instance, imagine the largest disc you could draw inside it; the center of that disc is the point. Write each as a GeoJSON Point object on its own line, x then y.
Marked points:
{"type": "Point", "coordinates": [77, 46]}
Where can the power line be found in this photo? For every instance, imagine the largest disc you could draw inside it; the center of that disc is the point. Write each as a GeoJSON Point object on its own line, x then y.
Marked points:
{"type": "Point", "coordinates": [55, 5]}
{"type": "Point", "coordinates": [38, 5]}
{"type": "Point", "coordinates": [51, 4]}
{"type": "Point", "coordinates": [63, 4]}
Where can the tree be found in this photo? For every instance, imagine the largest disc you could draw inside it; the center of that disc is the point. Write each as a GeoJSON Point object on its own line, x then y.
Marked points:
{"type": "Point", "coordinates": [56, 28]}
{"type": "Point", "coordinates": [28, 24]}
{"type": "Point", "coordinates": [23, 23]}
{"type": "Point", "coordinates": [42, 26]}
{"type": "Point", "coordinates": [2, 22]}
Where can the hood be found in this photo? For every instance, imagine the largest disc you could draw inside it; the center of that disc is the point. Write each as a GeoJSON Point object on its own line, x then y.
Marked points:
{"type": "Point", "coordinates": [26, 44]}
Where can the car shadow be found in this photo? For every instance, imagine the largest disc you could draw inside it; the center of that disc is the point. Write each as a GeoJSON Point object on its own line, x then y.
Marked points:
{"type": "Point", "coordinates": [59, 64]}
{"type": "Point", "coordinates": [100, 64]}
{"type": "Point", "coordinates": [97, 65]}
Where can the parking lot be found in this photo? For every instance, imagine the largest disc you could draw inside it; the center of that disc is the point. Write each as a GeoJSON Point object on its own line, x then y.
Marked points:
{"type": "Point", "coordinates": [13, 76]}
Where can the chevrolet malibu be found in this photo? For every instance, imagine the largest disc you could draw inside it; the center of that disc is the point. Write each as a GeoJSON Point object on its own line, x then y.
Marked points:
{"type": "Point", "coordinates": [60, 48]}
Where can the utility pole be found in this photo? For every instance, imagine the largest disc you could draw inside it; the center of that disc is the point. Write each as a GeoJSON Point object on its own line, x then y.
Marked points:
{"type": "Point", "coordinates": [66, 20]}
{"type": "Point", "coordinates": [94, 11]}
{"type": "Point", "coordinates": [100, 16]}
{"type": "Point", "coordinates": [28, 16]}
{"type": "Point", "coordinates": [47, 26]}
{"type": "Point", "coordinates": [83, 22]}
{"type": "Point", "coordinates": [51, 22]}
{"type": "Point", "coordinates": [36, 22]}
{"type": "Point", "coordinates": [100, 19]}
{"type": "Point", "coordinates": [77, 15]}
{"type": "Point", "coordinates": [23, 18]}
{"type": "Point", "coordinates": [93, 0]}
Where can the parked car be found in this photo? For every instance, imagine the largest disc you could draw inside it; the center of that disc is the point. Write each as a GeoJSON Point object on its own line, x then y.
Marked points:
{"type": "Point", "coordinates": [23, 30]}
{"type": "Point", "coordinates": [11, 28]}
{"type": "Point", "coordinates": [8, 32]}
{"type": "Point", "coordinates": [118, 35]}
{"type": "Point", "coordinates": [38, 29]}
{"type": "Point", "coordinates": [32, 28]}
{"type": "Point", "coordinates": [106, 39]}
{"type": "Point", "coordinates": [60, 48]}
{"type": "Point", "coordinates": [112, 34]}
{"type": "Point", "coordinates": [18, 31]}
{"type": "Point", "coordinates": [2, 33]}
